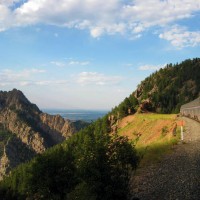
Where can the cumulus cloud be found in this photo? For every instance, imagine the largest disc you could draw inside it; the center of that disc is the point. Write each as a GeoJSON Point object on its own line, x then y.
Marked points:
{"type": "Point", "coordinates": [151, 67]}
{"type": "Point", "coordinates": [180, 37]}
{"type": "Point", "coordinates": [157, 12]}
{"type": "Point", "coordinates": [98, 17]}
{"type": "Point", "coordinates": [94, 78]}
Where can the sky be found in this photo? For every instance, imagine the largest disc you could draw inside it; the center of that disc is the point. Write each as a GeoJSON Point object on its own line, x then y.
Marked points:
{"type": "Point", "coordinates": [91, 54]}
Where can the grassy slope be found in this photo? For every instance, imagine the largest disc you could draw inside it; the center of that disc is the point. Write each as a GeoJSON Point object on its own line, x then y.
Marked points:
{"type": "Point", "coordinates": [152, 134]}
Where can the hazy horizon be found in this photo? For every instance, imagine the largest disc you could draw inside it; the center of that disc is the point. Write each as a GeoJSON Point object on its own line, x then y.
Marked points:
{"type": "Point", "coordinates": [91, 54]}
{"type": "Point", "coordinates": [77, 114]}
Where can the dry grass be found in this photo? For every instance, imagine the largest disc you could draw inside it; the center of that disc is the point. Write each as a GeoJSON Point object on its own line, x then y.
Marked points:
{"type": "Point", "coordinates": [151, 133]}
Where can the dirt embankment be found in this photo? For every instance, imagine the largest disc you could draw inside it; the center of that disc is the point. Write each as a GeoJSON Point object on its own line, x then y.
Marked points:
{"type": "Point", "coordinates": [177, 176]}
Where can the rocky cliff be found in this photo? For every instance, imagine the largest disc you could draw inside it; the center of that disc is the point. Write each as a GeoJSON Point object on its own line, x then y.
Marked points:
{"type": "Point", "coordinates": [26, 131]}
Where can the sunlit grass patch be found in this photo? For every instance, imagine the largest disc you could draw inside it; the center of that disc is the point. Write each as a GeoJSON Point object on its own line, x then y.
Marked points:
{"type": "Point", "coordinates": [153, 135]}
{"type": "Point", "coordinates": [155, 151]}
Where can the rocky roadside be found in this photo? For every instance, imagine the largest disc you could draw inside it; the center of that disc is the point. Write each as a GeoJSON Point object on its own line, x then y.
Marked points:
{"type": "Point", "coordinates": [177, 176]}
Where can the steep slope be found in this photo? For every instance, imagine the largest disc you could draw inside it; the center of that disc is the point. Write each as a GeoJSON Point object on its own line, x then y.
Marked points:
{"type": "Point", "coordinates": [148, 128]}
{"type": "Point", "coordinates": [153, 134]}
{"type": "Point", "coordinates": [28, 130]}
{"type": "Point", "coordinates": [163, 91]}
{"type": "Point", "coordinates": [171, 87]}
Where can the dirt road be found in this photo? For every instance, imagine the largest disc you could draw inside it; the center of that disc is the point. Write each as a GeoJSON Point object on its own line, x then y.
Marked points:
{"type": "Point", "coordinates": [177, 176]}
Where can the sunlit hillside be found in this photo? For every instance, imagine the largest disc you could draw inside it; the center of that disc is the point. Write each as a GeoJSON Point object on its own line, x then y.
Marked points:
{"type": "Point", "coordinates": [153, 134]}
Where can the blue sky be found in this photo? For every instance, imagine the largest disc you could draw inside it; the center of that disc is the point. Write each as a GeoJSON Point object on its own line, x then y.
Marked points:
{"type": "Point", "coordinates": [91, 54]}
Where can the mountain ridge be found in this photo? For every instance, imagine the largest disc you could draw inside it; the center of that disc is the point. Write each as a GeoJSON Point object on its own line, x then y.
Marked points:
{"type": "Point", "coordinates": [172, 86]}
{"type": "Point", "coordinates": [164, 91]}
{"type": "Point", "coordinates": [31, 129]}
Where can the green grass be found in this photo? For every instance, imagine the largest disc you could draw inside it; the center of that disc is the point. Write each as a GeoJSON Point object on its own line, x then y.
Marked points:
{"type": "Point", "coordinates": [154, 152]}
{"type": "Point", "coordinates": [153, 116]}
{"type": "Point", "coordinates": [155, 141]}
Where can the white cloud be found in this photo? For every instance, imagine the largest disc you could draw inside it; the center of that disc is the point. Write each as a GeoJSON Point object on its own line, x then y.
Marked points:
{"type": "Point", "coordinates": [58, 64]}
{"type": "Point", "coordinates": [70, 63]}
{"type": "Point", "coordinates": [26, 77]}
{"type": "Point", "coordinates": [9, 2]}
{"type": "Point", "coordinates": [74, 62]}
{"type": "Point", "coordinates": [35, 71]}
{"type": "Point", "coordinates": [94, 78]}
{"type": "Point", "coordinates": [9, 77]}
{"type": "Point", "coordinates": [180, 37]}
{"type": "Point", "coordinates": [156, 12]}
{"type": "Point", "coordinates": [5, 18]}
{"type": "Point", "coordinates": [52, 82]}
{"type": "Point", "coordinates": [138, 29]}
{"type": "Point", "coordinates": [98, 17]}
{"type": "Point", "coordinates": [96, 32]}
{"type": "Point", "coordinates": [14, 75]}
{"type": "Point", "coordinates": [128, 64]}
{"type": "Point", "coordinates": [37, 83]}
{"type": "Point", "coordinates": [151, 67]}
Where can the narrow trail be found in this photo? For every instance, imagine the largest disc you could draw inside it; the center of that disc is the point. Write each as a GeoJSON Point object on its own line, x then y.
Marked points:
{"type": "Point", "coordinates": [177, 176]}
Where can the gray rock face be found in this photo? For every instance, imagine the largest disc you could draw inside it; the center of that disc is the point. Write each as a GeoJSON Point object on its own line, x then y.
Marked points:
{"type": "Point", "coordinates": [15, 152]}
{"type": "Point", "coordinates": [58, 124]}
{"type": "Point", "coordinates": [15, 99]}
{"type": "Point", "coordinates": [31, 131]}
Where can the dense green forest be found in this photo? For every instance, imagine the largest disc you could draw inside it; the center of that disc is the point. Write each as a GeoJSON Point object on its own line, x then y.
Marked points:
{"type": "Point", "coordinates": [176, 85]}
{"type": "Point", "coordinates": [166, 90]}
{"type": "Point", "coordinates": [90, 165]}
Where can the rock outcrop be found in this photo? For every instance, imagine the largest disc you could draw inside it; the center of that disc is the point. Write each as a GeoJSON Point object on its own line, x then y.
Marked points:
{"type": "Point", "coordinates": [15, 152]}
{"type": "Point", "coordinates": [30, 130]}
